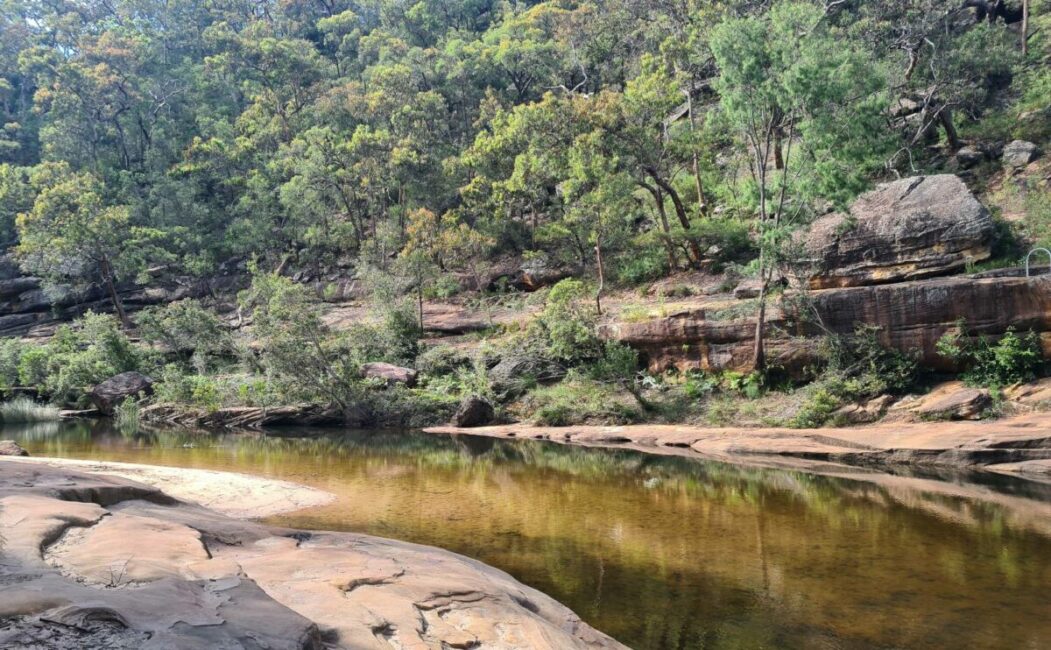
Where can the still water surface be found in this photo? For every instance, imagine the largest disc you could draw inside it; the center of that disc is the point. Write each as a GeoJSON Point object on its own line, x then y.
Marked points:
{"type": "Point", "coordinates": [663, 552]}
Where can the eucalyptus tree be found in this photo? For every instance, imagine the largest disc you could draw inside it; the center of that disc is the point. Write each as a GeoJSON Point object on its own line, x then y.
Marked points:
{"type": "Point", "coordinates": [71, 235]}
{"type": "Point", "coordinates": [788, 70]}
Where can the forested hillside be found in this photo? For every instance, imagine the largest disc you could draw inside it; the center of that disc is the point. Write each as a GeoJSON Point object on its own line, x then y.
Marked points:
{"type": "Point", "coordinates": [421, 146]}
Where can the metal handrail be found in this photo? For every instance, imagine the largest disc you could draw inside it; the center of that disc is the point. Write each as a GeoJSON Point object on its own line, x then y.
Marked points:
{"type": "Point", "coordinates": [1030, 254]}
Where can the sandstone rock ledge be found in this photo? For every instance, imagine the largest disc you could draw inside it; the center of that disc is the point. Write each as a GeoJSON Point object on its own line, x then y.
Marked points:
{"type": "Point", "coordinates": [97, 561]}
{"type": "Point", "coordinates": [971, 444]}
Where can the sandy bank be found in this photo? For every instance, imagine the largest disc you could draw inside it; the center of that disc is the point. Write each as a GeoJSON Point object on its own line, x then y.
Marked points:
{"type": "Point", "coordinates": [236, 495]}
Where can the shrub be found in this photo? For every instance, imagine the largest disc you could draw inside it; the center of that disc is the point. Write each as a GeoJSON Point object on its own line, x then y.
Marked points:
{"type": "Point", "coordinates": [11, 351]}
{"type": "Point", "coordinates": [80, 355]}
{"type": "Point", "coordinates": [1010, 359]}
{"type": "Point", "coordinates": [817, 410]}
{"type": "Point", "coordinates": [186, 327]}
{"type": "Point", "coordinates": [646, 263]}
{"type": "Point", "coordinates": [698, 385]}
{"type": "Point", "coordinates": [730, 237]}
{"type": "Point", "coordinates": [304, 357]}
{"type": "Point", "coordinates": [565, 328]}
{"type": "Point", "coordinates": [577, 400]}
{"type": "Point", "coordinates": [859, 368]}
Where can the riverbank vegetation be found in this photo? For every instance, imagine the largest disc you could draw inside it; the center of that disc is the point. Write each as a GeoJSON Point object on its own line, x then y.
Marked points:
{"type": "Point", "coordinates": [394, 154]}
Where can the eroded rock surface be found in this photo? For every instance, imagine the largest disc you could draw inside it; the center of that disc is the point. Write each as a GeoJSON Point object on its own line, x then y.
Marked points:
{"type": "Point", "coordinates": [911, 228]}
{"type": "Point", "coordinates": [947, 444]}
{"type": "Point", "coordinates": [910, 316]}
{"type": "Point", "coordinates": [98, 561]}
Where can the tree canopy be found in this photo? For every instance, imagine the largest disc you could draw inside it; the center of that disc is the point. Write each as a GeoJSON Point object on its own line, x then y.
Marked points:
{"type": "Point", "coordinates": [137, 134]}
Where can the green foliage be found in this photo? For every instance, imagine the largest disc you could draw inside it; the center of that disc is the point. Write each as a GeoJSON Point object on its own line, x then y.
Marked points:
{"type": "Point", "coordinates": [699, 385]}
{"type": "Point", "coordinates": [578, 400]}
{"type": "Point", "coordinates": [441, 360]}
{"type": "Point", "coordinates": [1010, 359]}
{"type": "Point", "coordinates": [868, 367]}
{"type": "Point", "coordinates": [789, 72]}
{"type": "Point", "coordinates": [302, 355]}
{"type": "Point", "coordinates": [80, 355]}
{"type": "Point", "coordinates": [818, 409]}
{"type": "Point", "coordinates": [187, 328]}
{"type": "Point", "coordinates": [566, 326]}
{"type": "Point", "coordinates": [126, 417]}
{"type": "Point", "coordinates": [859, 367]}
{"type": "Point", "coordinates": [11, 353]}
{"type": "Point", "coordinates": [647, 264]}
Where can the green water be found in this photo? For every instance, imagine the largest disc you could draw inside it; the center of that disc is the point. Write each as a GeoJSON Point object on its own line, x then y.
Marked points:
{"type": "Point", "coordinates": [664, 552]}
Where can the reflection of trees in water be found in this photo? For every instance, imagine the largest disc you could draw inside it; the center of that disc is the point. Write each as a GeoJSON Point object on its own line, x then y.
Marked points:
{"type": "Point", "coordinates": [26, 431]}
{"type": "Point", "coordinates": [662, 568]}
{"type": "Point", "coordinates": [832, 498]}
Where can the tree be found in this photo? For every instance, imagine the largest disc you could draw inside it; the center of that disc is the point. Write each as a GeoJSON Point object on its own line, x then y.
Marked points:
{"type": "Point", "coordinates": [71, 235]}
{"type": "Point", "coordinates": [807, 107]}
{"type": "Point", "coordinates": [297, 348]}
{"type": "Point", "coordinates": [16, 196]}
{"type": "Point", "coordinates": [598, 197]}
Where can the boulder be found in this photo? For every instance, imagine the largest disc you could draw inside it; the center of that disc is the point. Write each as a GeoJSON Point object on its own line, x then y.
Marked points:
{"type": "Point", "coordinates": [389, 373]}
{"type": "Point", "coordinates": [954, 401]}
{"type": "Point", "coordinates": [538, 273]}
{"type": "Point", "coordinates": [748, 289]}
{"type": "Point", "coordinates": [511, 374]}
{"type": "Point", "coordinates": [904, 230]}
{"type": "Point", "coordinates": [864, 412]}
{"type": "Point", "coordinates": [11, 448]}
{"type": "Point", "coordinates": [107, 395]}
{"type": "Point", "coordinates": [474, 411]}
{"type": "Point", "coordinates": [1020, 153]}
{"type": "Point", "coordinates": [969, 156]}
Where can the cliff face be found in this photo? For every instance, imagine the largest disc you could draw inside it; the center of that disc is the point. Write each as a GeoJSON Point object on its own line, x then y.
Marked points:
{"type": "Point", "coordinates": [912, 316]}
{"type": "Point", "coordinates": [25, 307]}
{"type": "Point", "coordinates": [863, 271]}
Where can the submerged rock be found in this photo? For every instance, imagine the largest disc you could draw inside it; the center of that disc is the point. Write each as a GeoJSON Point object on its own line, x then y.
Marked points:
{"type": "Point", "coordinates": [110, 393]}
{"type": "Point", "coordinates": [908, 229]}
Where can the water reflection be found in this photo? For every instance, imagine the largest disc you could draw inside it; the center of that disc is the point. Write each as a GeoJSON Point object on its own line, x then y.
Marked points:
{"type": "Point", "coordinates": [666, 552]}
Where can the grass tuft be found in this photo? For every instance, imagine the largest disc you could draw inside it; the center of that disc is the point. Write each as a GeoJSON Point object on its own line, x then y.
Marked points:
{"type": "Point", "coordinates": [23, 409]}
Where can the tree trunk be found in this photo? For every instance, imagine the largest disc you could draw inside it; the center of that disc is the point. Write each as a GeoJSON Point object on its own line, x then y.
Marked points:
{"type": "Point", "coordinates": [419, 302]}
{"type": "Point", "coordinates": [107, 277]}
{"type": "Point", "coordinates": [702, 200]}
{"type": "Point", "coordinates": [680, 211]}
{"type": "Point", "coordinates": [779, 159]}
{"type": "Point", "coordinates": [601, 277]}
{"type": "Point", "coordinates": [953, 138]}
{"type": "Point", "coordinates": [1025, 27]}
{"type": "Point", "coordinates": [662, 221]}
{"type": "Point", "coordinates": [759, 347]}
